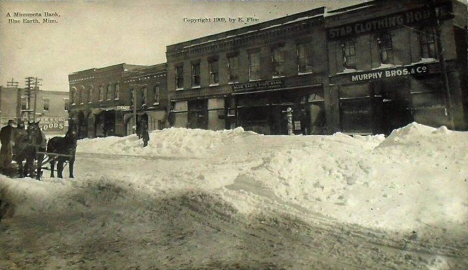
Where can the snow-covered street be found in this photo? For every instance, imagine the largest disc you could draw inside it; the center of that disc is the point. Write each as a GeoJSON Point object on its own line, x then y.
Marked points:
{"type": "Point", "coordinates": [198, 199]}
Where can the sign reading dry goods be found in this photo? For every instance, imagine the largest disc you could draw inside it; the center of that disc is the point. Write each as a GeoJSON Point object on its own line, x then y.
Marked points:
{"type": "Point", "coordinates": [52, 123]}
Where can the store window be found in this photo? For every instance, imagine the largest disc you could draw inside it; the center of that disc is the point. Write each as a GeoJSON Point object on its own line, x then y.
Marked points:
{"type": "Point", "coordinates": [254, 66]}
{"type": "Point", "coordinates": [277, 60]}
{"type": "Point", "coordinates": [156, 94]}
{"type": "Point", "coordinates": [233, 66]}
{"type": "Point", "coordinates": [116, 91]}
{"type": "Point", "coordinates": [214, 73]}
{"type": "Point", "coordinates": [384, 42]}
{"type": "Point", "coordinates": [46, 103]}
{"type": "Point", "coordinates": [304, 58]}
{"type": "Point", "coordinates": [349, 54]}
{"type": "Point", "coordinates": [196, 74]}
{"type": "Point", "coordinates": [179, 77]}
{"type": "Point", "coordinates": [427, 42]}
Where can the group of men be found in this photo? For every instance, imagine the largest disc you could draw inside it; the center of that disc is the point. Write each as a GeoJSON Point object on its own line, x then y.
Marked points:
{"type": "Point", "coordinates": [11, 139]}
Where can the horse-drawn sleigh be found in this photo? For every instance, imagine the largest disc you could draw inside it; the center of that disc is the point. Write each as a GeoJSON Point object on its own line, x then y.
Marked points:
{"type": "Point", "coordinates": [31, 146]}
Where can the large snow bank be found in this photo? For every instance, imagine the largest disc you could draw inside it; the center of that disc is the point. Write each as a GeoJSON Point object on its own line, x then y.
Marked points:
{"type": "Point", "coordinates": [414, 179]}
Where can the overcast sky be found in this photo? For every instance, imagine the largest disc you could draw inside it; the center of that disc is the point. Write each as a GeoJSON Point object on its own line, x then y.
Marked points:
{"type": "Point", "coordinates": [99, 33]}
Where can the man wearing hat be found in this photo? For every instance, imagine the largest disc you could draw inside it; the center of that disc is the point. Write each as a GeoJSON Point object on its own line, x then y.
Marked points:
{"type": "Point", "coordinates": [7, 136]}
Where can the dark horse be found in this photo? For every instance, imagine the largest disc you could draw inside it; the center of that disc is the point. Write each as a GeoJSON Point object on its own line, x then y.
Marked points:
{"type": "Point", "coordinates": [32, 141]}
{"type": "Point", "coordinates": [62, 149]}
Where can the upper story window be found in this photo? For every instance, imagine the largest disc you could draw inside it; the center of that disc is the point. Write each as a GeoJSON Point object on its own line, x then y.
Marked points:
{"type": "Point", "coordinates": [384, 42]}
{"type": "Point", "coordinates": [233, 66]}
{"type": "Point", "coordinates": [46, 102]}
{"type": "Point", "coordinates": [24, 102]}
{"type": "Point", "coordinates": [66, 104]}
{"type": "Point", "coordinates": [73, 96]}
{"type": "Point", "coordinates": [214, 73]}
{"type": "Point", "coordinates": [277, 60]}
{"type": "Point", "coordinates": [196, 74]}
{"type": "Point", "coordinates": [144, 96]}
{"type": "Point", "coordinates": [101, 93]}
{"type": "Point", "coordinates": [90, 94]}
{"type": "Point", "coordinates": [156, 94]}
{"type": "Point", "coordinates": [80, 95]}
{"type": "Point", "coordinates": [179, 77]}
{"type": "Point", "coordinates": [427, 42]}
{"type": "Point", "coordinates": [116, 91]}
{"type": "Point", "coordinates": [132, 97]}
{"type": "Point", "coordinates": [304, 58]}
{"type": "Point", "coordinates": [349, 54]}
{"type": "Point", "coordinates": [109, 92]}
{"type": "Point", "coordinates": [254, 66]}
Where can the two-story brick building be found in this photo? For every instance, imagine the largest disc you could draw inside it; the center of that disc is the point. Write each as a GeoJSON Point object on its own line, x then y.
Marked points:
{"type": "Point", "coordinates": [249, 76]}
{"type": "Point", "coordinates": [395, 62]}
{"type": "Point", "coordinates": [50, 108]}
{"type": "Point", "coordinates": [102, 99]}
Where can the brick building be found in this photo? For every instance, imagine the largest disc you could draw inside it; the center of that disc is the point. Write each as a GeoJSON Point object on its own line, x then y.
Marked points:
{"type": "Point", "coordinates": [102, 99]}
{"type": "Point", "coordinates": [51, 108]}
{"type": "Point", "coordinates": [365, 69]}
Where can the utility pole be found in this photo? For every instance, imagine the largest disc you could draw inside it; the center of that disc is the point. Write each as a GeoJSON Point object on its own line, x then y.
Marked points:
{"type": "Point", "coordinates": [36, 91]}
{"type": "Point", "coordinates": [28, 89]}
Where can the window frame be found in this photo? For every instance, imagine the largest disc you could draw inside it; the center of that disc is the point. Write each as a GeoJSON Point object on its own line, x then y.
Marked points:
{"type": "Point", "coordinates": [257, 66]}
{"type": "Point", "coordinates": [349, 52]}
{"type": "Point", "coordinates": [307, 58]}
{"type": "Point", "coordinates": [179, 77]}
{"type": "Point", "coordinates": [385, 46]}
{"type": "Point", "coordinates": [233, 69]}
{"type": "Point", "coordinates": [195, 75]}
{"type": "Point", "coordinates": [278, 65]}
{"type": "Point", "coordinates": [427, 37]}
{"type": "Point", "coordinates": [214, 73]}
{"type": "Point", "coordinates": [156, 94]}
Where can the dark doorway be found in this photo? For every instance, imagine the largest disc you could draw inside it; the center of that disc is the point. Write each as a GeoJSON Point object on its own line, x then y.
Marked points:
{"type": "Point", "coordinates": [198, 114]}
{"type": "Point", "coordinates": [396, 105]}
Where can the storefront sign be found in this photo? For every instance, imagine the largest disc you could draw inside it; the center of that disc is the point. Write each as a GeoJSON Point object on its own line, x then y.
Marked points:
{"type": "Point", "coordinates": [52, 123]}
{"type": "Point", "coordinates": [403, 71]}
{"type": "Point", "coordinates": [414, 70]}
{"type": "Point", "coordinates": [258, 86]}
{"type": "Point", "coordinates": [395, 20]}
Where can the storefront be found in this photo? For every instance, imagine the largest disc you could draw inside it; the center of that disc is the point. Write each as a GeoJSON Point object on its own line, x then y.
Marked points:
{"type": "Point", "coordinates": [382, 100]}
{"type": "Point", "coordinates": [262, 106]}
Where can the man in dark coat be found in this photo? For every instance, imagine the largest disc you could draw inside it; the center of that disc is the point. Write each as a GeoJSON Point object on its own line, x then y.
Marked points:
{"type": "Point", "coordinates": [144, 132]}
{"type": "Point", "coordinates": [7, 137]}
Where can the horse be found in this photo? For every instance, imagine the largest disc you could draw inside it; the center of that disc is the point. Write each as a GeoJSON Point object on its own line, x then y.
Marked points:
{"type": "Point", "coordinates": [27, 144]}
{"type": "Point", "coordinates": [62, 149]}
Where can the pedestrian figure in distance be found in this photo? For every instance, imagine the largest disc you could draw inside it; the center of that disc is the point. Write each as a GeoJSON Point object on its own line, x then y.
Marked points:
{"type": "Point", "coordinates": [144, 132]}
{"type": "Point", "coordinates": [7, 137]}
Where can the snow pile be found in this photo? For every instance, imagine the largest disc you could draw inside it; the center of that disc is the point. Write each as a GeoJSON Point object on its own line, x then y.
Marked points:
{"type": "Point", "coordinates": [414, 180]}
{"type": "Point", "coordinates": [172, 141]}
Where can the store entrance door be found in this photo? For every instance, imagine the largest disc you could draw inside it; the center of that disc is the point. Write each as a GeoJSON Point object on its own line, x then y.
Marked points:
{"type": "Point", "coordinates": [396, 105]}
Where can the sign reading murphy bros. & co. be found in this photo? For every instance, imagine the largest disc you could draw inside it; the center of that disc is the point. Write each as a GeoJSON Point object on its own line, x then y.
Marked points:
{"type": "Point", "coordinates": [409, 17]}
{"type": "Point", "coordinates": [413, 70]}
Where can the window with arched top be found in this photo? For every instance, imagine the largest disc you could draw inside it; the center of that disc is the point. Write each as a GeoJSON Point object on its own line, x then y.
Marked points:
{"type": "Point", "coordinates": [109, 92]}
